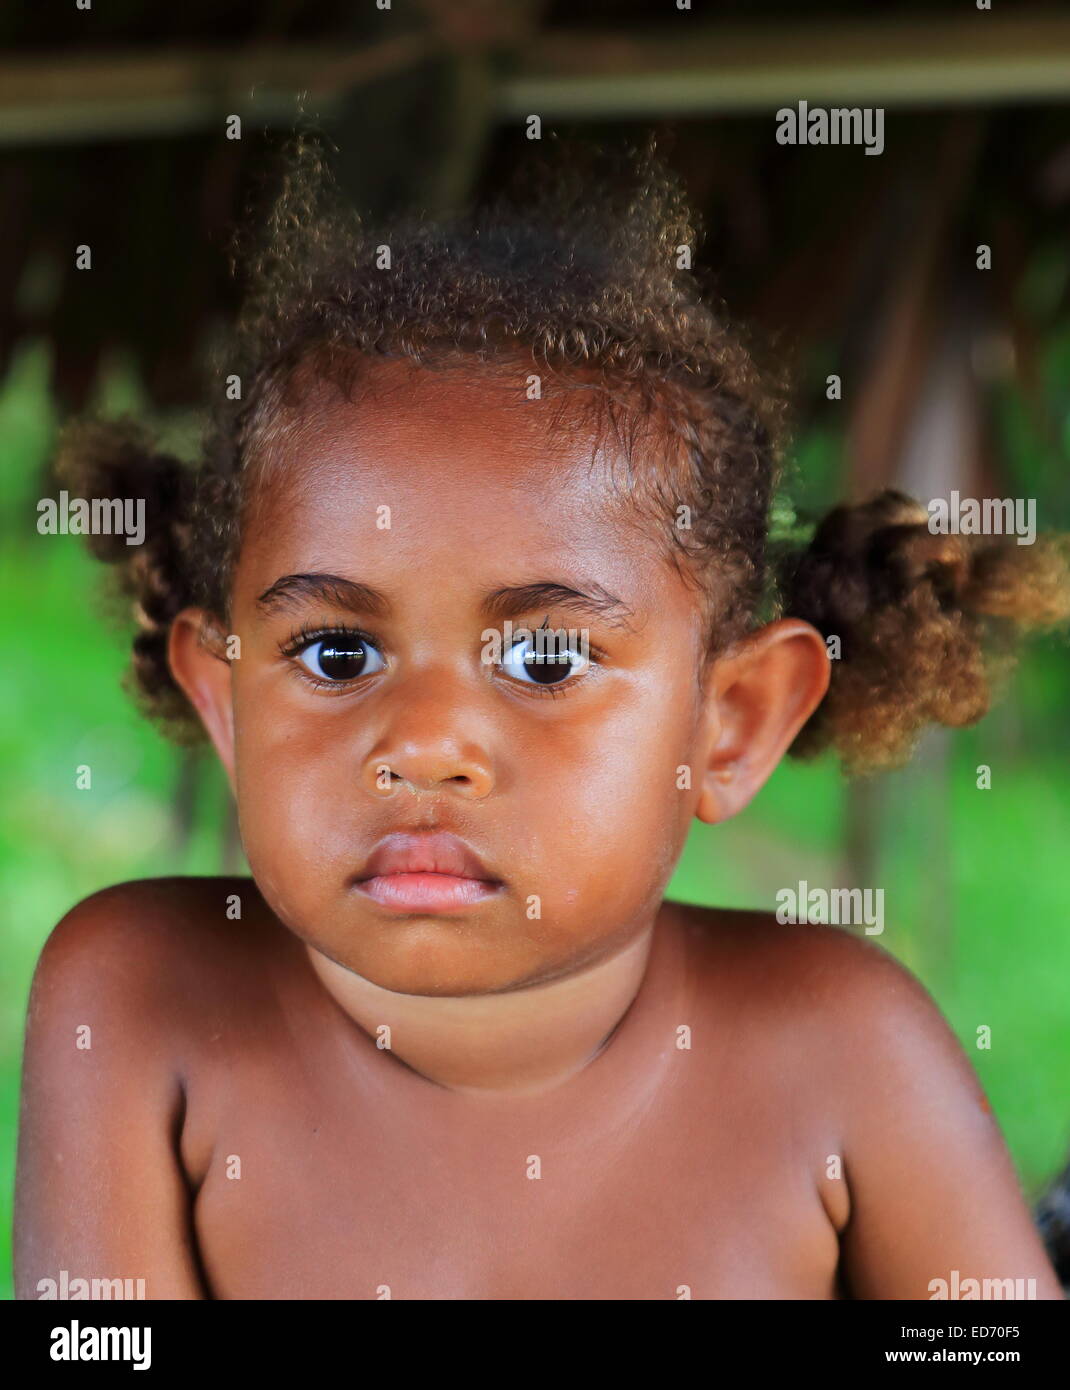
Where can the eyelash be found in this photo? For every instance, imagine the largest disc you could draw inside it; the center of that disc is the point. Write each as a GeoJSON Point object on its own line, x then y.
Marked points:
{"type": "Point", "coordinates": [307, 634]}
{"type": "Point", "coordinates": [595, 657]}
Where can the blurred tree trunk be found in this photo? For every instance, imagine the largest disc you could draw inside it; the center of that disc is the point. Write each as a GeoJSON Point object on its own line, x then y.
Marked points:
{"type": "Point", "coordinates": [915, 425]}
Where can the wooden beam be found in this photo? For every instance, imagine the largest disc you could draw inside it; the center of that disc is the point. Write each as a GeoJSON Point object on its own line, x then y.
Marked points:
{"type": "Point", "coordinates": [685, 67]}
{"type": "Point", "coordinates": [67, 99]}
{"type": "Point", "coordinates": [700, 68]}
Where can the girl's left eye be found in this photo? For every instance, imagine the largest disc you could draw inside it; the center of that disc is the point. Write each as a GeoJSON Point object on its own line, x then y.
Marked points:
{"type": "Point", "coordinates": [339, 656]}
{"type": "Point", "coordinates": [548, 661]}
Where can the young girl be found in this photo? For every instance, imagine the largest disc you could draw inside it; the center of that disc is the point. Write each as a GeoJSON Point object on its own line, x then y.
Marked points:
{"type": "Point", "coordinates": [471, 594]}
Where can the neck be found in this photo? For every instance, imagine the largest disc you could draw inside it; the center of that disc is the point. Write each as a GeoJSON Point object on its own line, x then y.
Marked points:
{"type": "Point", "coordinates": [516, 1042]}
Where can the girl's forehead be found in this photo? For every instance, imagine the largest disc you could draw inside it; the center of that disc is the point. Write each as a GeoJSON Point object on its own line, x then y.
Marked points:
{"type": "Point", "coordinates": [446, 445]}
{"type": "Point", "coordinates": [401, 404]}
{"type": "Point", "coordinates": [452, 476]}
{"type": "Point", "coordinates": [441, 512]}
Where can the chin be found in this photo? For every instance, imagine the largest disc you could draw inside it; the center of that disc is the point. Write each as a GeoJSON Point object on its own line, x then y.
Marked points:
{"type": "Point", "coordinates": [428, 956]}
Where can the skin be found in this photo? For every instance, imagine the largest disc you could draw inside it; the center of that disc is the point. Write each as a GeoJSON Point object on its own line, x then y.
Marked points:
{"type": "Point", "coordinates": [539, 1126]}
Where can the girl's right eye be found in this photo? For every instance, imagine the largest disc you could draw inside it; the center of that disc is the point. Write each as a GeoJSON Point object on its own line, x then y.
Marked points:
{"type": "Point", "coordinates": [339, 656]}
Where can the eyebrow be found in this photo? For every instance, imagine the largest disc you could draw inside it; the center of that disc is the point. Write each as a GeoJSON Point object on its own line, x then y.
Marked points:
{"type": "Point", "coordinates": [596, 601]}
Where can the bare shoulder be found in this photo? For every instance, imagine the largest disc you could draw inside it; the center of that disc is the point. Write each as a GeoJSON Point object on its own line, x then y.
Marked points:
{"type": "Point", "coordinates": [153, 913]}
{"type": "Point", "coordinates": [833, 996]}
{"type": "Point", "coordinates": [924, 1187]}
{"type": "Point", "coordinates": [836, 973]}
{"type": "Point", "coordinates": [874, 1042]}
{"type": "Point", "coordinates": [123, 989]}
{"type": "Point", "coordinates": [154, 948]}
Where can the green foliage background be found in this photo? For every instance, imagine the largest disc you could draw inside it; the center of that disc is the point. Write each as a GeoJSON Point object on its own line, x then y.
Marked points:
{"type": "Point", "coordinates": [975, 881]}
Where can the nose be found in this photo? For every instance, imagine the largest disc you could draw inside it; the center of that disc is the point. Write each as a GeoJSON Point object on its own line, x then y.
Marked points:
{"type": "Point", "coordinates": [428, 742]}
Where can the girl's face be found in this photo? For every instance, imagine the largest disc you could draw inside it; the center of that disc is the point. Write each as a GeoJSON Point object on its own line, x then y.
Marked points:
{"type": "Point", "coordinates": [420, 519]}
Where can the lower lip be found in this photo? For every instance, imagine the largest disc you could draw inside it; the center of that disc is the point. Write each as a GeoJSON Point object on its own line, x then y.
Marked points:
{"type": "Point", "coordinates": [427, 892]}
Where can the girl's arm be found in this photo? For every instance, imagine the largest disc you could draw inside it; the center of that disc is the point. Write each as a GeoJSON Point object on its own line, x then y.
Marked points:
{"type": "Point", "coordinates": [935, 1199]}
{"type": "Point", "coordinates": [100, 1190]}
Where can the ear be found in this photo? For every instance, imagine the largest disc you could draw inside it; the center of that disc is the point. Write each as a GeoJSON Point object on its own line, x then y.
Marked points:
{"type": "Point", "coordinates": [759, 695]}
{"type": "Point", "coordinates": [200, 668]}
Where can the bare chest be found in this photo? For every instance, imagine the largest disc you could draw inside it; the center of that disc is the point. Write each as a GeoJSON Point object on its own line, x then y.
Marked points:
{"type": "Point", "coordinates": [310, 1196]}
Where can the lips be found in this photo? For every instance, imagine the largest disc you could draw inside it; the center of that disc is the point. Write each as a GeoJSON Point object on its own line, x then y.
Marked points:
{"type": "Point", "coordinates": [426, 873]}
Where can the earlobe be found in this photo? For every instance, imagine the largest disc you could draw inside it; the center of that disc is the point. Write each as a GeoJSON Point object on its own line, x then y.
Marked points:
{"type": "Point", "coordinates": [760, 695]}
{"type": "Point", "coordinates": [203, 672]}
{"type": "Point", "coordinates": [718, 799]}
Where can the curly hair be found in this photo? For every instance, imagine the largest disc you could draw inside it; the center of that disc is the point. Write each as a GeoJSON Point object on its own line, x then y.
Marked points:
{"type": "Point", "coordinates": [580, 271]}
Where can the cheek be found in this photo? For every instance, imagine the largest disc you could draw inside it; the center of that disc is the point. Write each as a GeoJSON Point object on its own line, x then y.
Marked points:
{"type": "Point", "coordinates": [296, 804]}
{"type": "Point", "coordinates": [610, 812]}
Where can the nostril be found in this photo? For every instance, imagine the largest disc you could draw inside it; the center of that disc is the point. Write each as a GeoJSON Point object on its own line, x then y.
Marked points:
{"type": "Point", "coordinates": [386, 779]}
